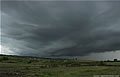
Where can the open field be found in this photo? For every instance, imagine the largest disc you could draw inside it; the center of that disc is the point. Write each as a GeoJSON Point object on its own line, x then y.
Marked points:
{"type": "Point", "coordinates": [11, 66]}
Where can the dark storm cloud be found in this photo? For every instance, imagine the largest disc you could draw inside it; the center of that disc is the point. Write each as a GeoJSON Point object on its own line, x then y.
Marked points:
{"type": "Point", "coordinates": [63, 28]}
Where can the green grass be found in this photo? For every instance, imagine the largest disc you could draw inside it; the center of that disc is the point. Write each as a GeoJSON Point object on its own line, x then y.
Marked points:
{"type": "Point", "coordinates": [34, 67]}
{"type": "Point", "coordinates": [112, 63]}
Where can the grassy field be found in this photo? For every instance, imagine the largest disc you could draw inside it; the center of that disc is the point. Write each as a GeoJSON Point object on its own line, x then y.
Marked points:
{"type": "Point", "coordinates": [35, 67]}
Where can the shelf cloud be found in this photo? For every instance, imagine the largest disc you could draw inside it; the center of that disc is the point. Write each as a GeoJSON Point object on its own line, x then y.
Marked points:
{"type": "Point", "coordinates": [60, 28]}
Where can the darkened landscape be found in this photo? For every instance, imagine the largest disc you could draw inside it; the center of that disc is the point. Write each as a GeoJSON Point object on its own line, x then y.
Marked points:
{"type": "Point", "coordinates": [59, 38]}
{"type": "Point", "coordinates": [18, 66]}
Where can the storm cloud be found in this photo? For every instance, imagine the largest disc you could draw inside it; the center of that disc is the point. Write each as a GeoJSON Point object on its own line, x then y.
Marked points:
{"type": "Point", "coordinates": [60, 28]}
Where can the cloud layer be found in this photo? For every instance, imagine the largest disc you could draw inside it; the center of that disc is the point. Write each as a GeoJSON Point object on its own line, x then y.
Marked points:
{"type": "Point", "coordinates": [60, 28]}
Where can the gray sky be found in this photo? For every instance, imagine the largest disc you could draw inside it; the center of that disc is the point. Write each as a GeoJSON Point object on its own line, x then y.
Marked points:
{"type": "Point", "coordinates": [88, 29]}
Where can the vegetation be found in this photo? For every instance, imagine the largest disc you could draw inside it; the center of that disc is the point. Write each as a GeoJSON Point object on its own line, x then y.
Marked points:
{"type": "Point", "coordinates": [13, 66]}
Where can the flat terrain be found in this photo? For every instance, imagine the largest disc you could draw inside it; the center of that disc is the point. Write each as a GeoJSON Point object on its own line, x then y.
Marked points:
{"type": "Point", "coordinates": [13, 66]}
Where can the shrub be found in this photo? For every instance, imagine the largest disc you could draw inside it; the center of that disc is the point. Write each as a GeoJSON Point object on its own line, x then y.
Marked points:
{"type": "Point", "coordinates": [29, 62]}
{"type": "Point", "coordinates": [5, 58]}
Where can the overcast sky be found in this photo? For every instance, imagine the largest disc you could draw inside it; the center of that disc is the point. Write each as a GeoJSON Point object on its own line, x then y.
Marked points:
{"type": "Point", "coordinates": [88, 29]}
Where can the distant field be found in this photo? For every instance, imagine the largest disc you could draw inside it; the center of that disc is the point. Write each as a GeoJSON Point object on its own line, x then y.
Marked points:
{"type": "Point", "coordinates": [35, 67]}
{"type": "Point", "coordinates": [112, 63]}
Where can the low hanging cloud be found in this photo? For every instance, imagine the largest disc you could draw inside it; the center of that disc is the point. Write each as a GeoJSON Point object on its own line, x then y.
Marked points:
{"type": "Point", "coordinates": [60, 28]}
